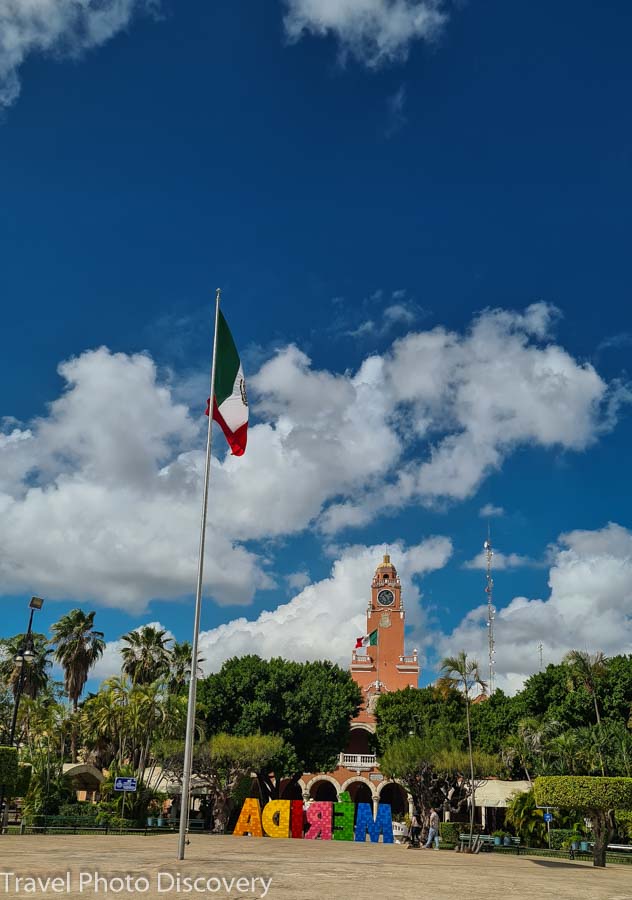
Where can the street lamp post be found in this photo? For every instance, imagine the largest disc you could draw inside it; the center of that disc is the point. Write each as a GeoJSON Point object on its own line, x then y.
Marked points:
{"type": "Point", "coordinates": [23, 658]}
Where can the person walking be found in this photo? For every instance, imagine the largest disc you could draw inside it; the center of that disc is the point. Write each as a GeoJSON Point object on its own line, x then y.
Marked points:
{"type": "Point", "coordinates": [433, 831]}
{"type": "Point", "coordinates": [415, 830]}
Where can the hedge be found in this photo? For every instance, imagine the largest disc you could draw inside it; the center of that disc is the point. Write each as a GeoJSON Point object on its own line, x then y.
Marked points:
{"type": "Point", "coordinates": [8, 768]}
{"type": "Point", "coordinates": [449, 831]}
{"type": "Point", "coordinates": [560, 835]}
{"type": "Point", "coordinates": [583, 792]}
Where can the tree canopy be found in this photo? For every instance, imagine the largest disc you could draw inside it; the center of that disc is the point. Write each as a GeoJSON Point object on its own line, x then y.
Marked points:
{"type": "Point", "coordinates": [309, 705]}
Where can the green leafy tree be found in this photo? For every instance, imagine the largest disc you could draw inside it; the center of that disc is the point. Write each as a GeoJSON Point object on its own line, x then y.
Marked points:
{"type": "Point", "coordinates": [146, 655]}
{"type": "Point", "coordinates": [309, 705]}
{"type": "Point", "coordinates": [463, 673]}
{"type": "Point", "coordinates": [495, 719]}
{"type": "Point", "coordinates": [436, 771]}
{"type": "Point", "coordinates": [597, 798]}
{"type": "Point", "coordinates": [221, 763]}
{"type": "Point", "coordinates": [420, 711]}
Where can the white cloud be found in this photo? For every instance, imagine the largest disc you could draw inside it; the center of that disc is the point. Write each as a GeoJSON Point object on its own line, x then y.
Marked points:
{"type": "Point", "coordinates": [99, 499]}
{"type": "Point", "coordinates": [500, 561]}
{"type": "Point", "coordinates": [372, 31]}
{"type": "Point", "coordinates": [588, 608]}
{"type": "Point", "coordinates": [57, 27]}
{"type": "Point", "coordinates": [476, 397]}
{"type": "Point", "coordinates": [324, 619]}
{"type": "Point", "coordinates": [89, 508]}
{"type": "Point", "coordinates": [489, 511]}
{"type": "Point", "coordinates": [296, 581]}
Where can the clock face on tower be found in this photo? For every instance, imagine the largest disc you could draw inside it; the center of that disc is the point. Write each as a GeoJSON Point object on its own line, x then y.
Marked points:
{"type": "Point", "coordinates": [385, 598]}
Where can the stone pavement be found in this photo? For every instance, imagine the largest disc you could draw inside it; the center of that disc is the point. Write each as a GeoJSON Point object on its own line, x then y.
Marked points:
{"type": "Point", "coordinates": [300, 870]}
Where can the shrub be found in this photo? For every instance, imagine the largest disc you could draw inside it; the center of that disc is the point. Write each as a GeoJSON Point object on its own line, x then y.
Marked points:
{"type": "Point", "coordinates": [449, 831]}
{"type": "Point", "coordinates": [560, 836]}
{"type": "Point", "coordinates": [8, 768]}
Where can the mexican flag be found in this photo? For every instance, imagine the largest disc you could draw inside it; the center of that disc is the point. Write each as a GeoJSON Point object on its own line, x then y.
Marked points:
{"type": "Point", "coordinates": [368, 639]}
{"type": "Point", "coordinates": [230, 403]}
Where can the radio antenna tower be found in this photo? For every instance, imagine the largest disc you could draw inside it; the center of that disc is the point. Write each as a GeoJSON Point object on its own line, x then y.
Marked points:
{"type": "Point", "coordinates": [491, 614]}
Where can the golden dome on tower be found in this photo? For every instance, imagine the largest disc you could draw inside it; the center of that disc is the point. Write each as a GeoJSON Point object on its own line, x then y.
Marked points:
{"type": "Point", "coordinates": [386, 566]}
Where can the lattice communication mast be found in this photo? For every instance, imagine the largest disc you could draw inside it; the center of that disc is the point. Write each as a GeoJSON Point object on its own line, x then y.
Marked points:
{"type": "Point", "coordinates": [491, 615]}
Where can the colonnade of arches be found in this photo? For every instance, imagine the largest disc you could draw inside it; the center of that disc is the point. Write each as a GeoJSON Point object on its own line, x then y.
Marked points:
{"type": "Point", "coordinates": [361, 790]}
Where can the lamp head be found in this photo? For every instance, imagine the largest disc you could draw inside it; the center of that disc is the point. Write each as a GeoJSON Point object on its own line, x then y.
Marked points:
{"type": "Point", "coordinates": [36, 603]}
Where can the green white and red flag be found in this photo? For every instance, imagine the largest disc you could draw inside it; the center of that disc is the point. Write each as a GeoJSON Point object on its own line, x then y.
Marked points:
{"type": "Point", "coordinates": [368, 640]}
{"type": "Point", "coordinates": [230, 402]}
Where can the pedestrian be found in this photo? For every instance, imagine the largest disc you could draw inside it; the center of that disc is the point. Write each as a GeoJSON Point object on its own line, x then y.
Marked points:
{"type": "Point", "coordinates": [415, 830]}
{"type": "Point", "coordinates": [433, 831]}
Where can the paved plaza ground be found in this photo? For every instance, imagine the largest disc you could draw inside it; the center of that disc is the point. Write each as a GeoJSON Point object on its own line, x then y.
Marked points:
{"type": "Point", "coordinates": [300, 870]}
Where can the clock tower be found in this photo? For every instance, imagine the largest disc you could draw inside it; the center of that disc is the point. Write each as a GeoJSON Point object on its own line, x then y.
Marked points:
{"type": "Point", "coordinates": [383, 665]}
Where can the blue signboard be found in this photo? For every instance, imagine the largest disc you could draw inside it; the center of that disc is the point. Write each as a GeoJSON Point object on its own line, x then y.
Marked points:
{"type": "Point", "coordinates": [125, 784]}
{"type": "Point", "coordinates": [548, 817]}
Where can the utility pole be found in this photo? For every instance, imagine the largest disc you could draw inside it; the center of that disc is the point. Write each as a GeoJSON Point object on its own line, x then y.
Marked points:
{"type": "Point", "coordinates": [540, 649]}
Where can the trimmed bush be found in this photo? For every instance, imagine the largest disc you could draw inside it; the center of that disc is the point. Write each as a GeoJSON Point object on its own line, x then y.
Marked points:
{"type": "Point", "coordinates": [449, 831]}
{"type": "Point", "coordinates": [559, 836]}
{"type": "Point", "coordinates": [597, 797]}
{"type": "Point", "coordinates": [8, 768]}
{"type": "Point", "coordinates": [584, 792]}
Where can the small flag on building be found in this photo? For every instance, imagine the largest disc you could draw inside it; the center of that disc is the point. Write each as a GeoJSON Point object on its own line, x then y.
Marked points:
{"type": "Point", "coordinates": [368, 640]}
{"type": "Point", "coordinates": [230, 403]}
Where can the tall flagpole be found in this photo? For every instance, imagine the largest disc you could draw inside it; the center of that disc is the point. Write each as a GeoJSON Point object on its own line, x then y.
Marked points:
{"type": "Point", "coordinates": [188, 747]}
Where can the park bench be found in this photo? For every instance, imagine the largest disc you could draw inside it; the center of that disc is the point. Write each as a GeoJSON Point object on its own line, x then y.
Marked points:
{"type": "Point", "coordinates": [485, 842]}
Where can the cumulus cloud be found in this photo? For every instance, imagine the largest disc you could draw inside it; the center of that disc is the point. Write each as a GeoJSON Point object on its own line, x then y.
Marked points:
{"type": "Point", "coordinates": [323, 620]}
{"type": "Point", "coordinates": [89, 505]}
{"type": "Point", "coordinates": [372, 31]}
{"type": "Point", "coordinates": [588, 607]}
{"type": "Point", "coordinates": [59, 28]}
{"type": "Point", "coordinates": [489, 511]}
{"type": "Point", "coordinates": [99, 498]}
{"type": "Point", "coordinates": [474, 398]}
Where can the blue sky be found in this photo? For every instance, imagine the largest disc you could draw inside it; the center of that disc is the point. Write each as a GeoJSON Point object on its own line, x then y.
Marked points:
{"type": "Point", "coordinates": [419, 214]}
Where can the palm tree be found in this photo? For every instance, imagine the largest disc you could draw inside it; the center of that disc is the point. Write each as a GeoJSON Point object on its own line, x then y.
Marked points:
{"type": "Point", "coordinates": [588, 668]}
{"type": "Point", "coordinates": [526, 818]}
{"type": "Point", "coordinates": [180, 667]}
{"type": "Point", "coordinates": [77, 648]}
{"type": "Point", "coordinates": [462, 673]}
{"type": "Point", "coordinates": [146, 656]}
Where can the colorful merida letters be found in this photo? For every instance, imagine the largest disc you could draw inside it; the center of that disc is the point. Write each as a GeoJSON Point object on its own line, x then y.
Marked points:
{"type": "Point", "coordinates": [327, 821]}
